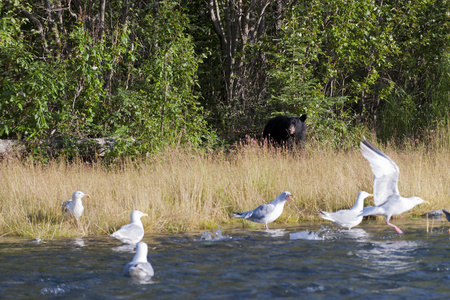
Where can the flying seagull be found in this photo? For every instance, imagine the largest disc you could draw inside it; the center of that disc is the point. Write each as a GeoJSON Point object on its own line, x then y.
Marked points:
{"type": "Point", "coordinates": [347, 217]}
{"type": "Point", "coordinates": [131, 233]}
{"type": "Point", "coordinates": [388, 201]}
{"type": "Point", "coordinates": [139, 267]}
{"type": "Point", "coordinates": [266, 213]}
{"type": "Point", "coordinates": [74, 208]}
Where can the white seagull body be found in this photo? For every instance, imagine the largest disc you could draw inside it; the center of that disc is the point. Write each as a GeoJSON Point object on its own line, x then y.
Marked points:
{"type": "Point", "coordinates": [347, 217]}
{"type": "Point", "coordinates": [131, 233]}
{"type": "Point", "coordinates": [139, 267]}
{"type": "Point", "coordinates": [266, 213]}
{"type": "Point", "coordinates": [74, 208]}
{"type": "Point", "coordinates": [388, 201]}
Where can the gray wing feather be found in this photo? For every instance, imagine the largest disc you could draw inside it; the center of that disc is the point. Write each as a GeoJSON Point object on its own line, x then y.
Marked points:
{"type": "Point", "coordinates": [262, 210]}
{"type": "Point", "coordinates": [256, 214]}
{"type": "Point", "coordinates": [65, 206]}
{"type": "Point", "coordinates": [339, 216]}
{"type": "Point", "coordinates": [138, 270]}
{"type": "Point", "coordinates": [385, 172]}
{"type": "Point", "coordinates": [371, 210]}
{"type": "Point", "coordinates": [129, 231]}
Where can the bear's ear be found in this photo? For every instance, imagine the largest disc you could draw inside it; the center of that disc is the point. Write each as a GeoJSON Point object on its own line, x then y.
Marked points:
{"type": "Point", "coordinates": [303, 118]}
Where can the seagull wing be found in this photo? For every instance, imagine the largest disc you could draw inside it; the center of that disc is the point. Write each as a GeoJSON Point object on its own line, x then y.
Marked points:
{"type": "Point", "coordinates": [138, 270]}
{"type": "Point", "coordinates": [67, 207]}
{"type": "Point", "coordinates": [385, 172]}
{"type": "Point", "coordinates": [341, 216]}
{"type": "Point", "coordinates": [129, 232]}
{"type": "Point", "coordinates": [263, 210]}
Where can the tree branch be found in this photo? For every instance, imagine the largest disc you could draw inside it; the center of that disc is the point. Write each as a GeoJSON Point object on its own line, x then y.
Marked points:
{"type": "Point", "coordinates": [217, 22]}
{"type": "Point", "coordinates": [38, 25]}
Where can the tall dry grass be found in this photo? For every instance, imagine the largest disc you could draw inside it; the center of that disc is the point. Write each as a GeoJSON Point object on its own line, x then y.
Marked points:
{"type": "Point", "coordinates": [183, 190]}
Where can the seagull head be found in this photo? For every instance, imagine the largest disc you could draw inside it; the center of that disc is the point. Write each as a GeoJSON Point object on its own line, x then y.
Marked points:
{"type": "Point", "coordinates": [418, 200]}
{"type": "Point", "coordinates": [79, 195]}
{"type": "Point", "coordinates": [136, 215]}
{"type": "Point", "coordinates": [285, 196]}
{"type": "Point", "coordinates": [364, 195]}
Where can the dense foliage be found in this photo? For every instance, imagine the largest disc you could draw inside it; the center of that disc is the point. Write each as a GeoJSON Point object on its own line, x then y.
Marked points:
{"type": "Point", "coordinates": [75, 69]}
{"type": "Point", "coordinates": [154, 73]}
{"type": "Point", "coordinates": [377, 63]}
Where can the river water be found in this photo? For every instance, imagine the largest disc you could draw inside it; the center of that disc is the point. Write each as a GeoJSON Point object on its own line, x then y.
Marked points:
{"type": "Point", "coordinates": [297, 262]}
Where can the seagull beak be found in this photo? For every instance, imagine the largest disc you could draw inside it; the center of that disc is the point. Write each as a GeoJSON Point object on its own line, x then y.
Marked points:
{"type": "Point", "coordinates": [426, 202]}
{"type": "Point", "coordinates": [145, 215]}
{"type": "Point", "coordinates": [289, 197]}
{"type": "Point", "coordinates": [87, 196]}
{"type": "Point", "coordinates": [370, 195]}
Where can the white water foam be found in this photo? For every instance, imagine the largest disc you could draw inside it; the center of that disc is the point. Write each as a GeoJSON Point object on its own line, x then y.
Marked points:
{"type": "Point", "coordinates": [213, 236]}
{"type": "Point", "coordinates": [305, 235]}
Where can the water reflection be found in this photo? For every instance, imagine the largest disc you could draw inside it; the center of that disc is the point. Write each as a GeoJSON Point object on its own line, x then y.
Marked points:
{"type": "Point", "coordinates": [354, 233]}
{"type": "Point", "coordinates": [59, 290]}
{"type": "Point", "coordinates": [306, 235]}
{"type": "Point", "coordinates": [34, 241]}
{"type": "Point", "coordinates": [275, 232]}
{"type": "Point", "coordinates": [325, 233]}
{"type": "Point", "coordinates": [213, 236]}
{"type": "Point", "coordinates": [389, 257]}
{"type": "Point", "coordinates": [79, 242]}
{"type": "Point", "coordinates": [125, 248]}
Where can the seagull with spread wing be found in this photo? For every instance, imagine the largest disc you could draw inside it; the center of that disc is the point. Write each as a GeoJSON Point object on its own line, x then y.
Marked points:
{"type": "Point", "coordinates": [388, 201]}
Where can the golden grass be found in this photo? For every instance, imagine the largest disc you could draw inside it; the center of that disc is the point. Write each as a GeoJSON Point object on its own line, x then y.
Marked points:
{"type": "Point", "coordinates": [182, 190]}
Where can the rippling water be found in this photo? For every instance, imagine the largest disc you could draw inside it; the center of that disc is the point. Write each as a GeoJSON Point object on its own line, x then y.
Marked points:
{"type": "Point", "coordinates": [295, 262]}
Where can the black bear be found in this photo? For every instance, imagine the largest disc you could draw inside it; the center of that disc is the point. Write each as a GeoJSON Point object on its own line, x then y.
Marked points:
{"type": "Point", "coordinates": [286, 130]}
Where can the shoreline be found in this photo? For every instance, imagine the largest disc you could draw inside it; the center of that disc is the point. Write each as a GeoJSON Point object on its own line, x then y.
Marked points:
{"type": "Point", "coordinates": [182, 190]}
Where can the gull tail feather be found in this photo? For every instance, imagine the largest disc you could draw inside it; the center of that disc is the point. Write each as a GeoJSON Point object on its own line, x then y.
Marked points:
{"type": "Point", "coordinates": [238, 215]}
{"type": "Point", "coordinates": [244, 215]}
{"type": "Point", "coordinates": [324, 215]}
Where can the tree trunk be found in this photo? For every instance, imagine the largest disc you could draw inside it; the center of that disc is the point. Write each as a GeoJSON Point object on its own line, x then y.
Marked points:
{"type": "Point", "coordinates": [238, 24]}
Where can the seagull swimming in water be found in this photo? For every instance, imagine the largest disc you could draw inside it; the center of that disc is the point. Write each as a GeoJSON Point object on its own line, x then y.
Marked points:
{"type": "Point", "coordinates": [74, 208]}
{"type": "Point", "coordinates": [347, 217]}
{"type": "Point", "coordinates": [139, 267]}
{"type": "Point", "coordinates": [266, 213]}
{"type": "Point", "coordinates": [388, 201]}
{"type": "Point", "coordinates": [131, 233]}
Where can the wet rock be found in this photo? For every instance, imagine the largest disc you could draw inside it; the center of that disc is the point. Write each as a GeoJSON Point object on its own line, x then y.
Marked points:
{"type": "Point", "coordinates": [435, 214]}
{"type": "Point", "coordinates": [447, 214]}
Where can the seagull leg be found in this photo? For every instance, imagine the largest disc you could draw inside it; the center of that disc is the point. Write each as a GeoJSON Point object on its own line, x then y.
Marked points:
{"type": "Point", "coordinates": [398, 230]}
{"type": "Point", "coordinates": [267, 227]}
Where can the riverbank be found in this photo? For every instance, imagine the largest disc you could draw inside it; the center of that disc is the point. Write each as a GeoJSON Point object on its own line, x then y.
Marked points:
{"type": "Point", "coordinates": [183, 190]}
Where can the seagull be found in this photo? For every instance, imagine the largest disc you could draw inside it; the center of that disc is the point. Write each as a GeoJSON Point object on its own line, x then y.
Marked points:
{"type": "Point", "coordinates": [139, 267]}
{"type": "Point", "coordinates": [131, 233]}
{"type": "Point", "coordinates": [347, 217]}
{"type": "Point", "coordinates": [388, 201]}
{"type": "Point", "coordinates": [74, 208]}
{"type": "Point", "coordinates": [266, 213]}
